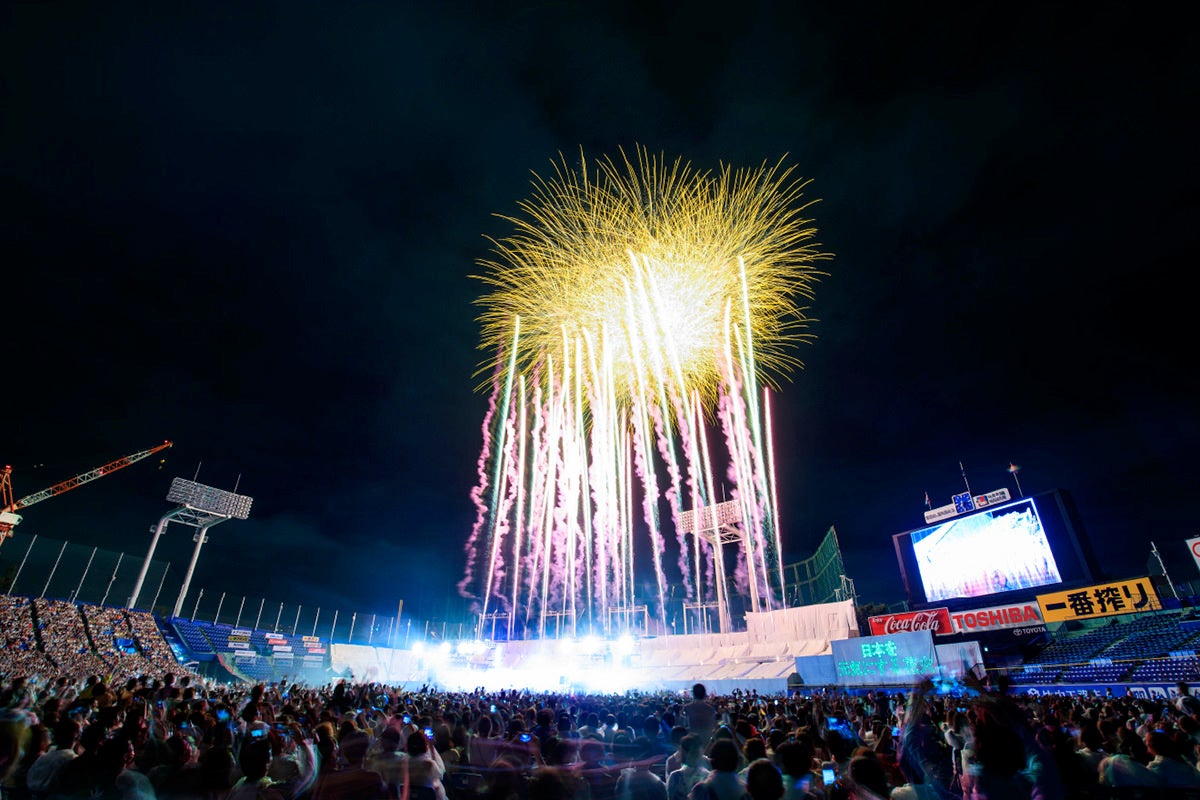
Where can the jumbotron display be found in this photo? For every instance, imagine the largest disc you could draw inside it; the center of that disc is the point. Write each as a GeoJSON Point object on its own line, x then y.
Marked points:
{"type": "Point", "coordinates": [1022, 545]}
{"type": "Point", "coordinates": [985, 553]}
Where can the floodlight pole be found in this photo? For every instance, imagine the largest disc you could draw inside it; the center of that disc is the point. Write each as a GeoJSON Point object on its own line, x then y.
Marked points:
{"type": "Point", "coordinates": [141, 578]}
{"type": "Point", "coordinates": [83, 577]}
{"type": "Point", "coordinates": [1163, 567]}
{"type": "Point", "coordinates": [200, 507]}
{"type": "Point", "coordinates": [182, 515]}
{"type": "Point", "coordinates": [22, 566]}
{"type": "Point", "coordinates": [112, 579]}
{"type": "Point", "coordinates": [199, 538]}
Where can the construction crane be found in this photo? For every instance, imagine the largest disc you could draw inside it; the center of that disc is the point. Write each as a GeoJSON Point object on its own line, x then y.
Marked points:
{"type": "Point", "coordinates": [9, 519]}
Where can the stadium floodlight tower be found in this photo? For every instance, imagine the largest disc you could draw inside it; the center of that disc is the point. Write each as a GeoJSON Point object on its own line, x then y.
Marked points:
{"type": "Point", "coordinates": [200, 507]}
{"type": "Point", "coordinates": [717, 525]}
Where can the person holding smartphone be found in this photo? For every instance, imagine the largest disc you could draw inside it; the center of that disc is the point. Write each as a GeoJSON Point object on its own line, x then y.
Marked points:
{"type": "Point", "coordinates": [425, 768]}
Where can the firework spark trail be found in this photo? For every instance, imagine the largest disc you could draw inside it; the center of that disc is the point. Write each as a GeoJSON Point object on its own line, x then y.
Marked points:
{"type": "Point", "coordinates": [578, 509]}
{"type": "Point", "coordinates": [735, 472]}
{"type": "Point", "coordinates": [583, 569]}
{"type": "Point", "coordinates": [537, 479]}
{"type": "Point", "coordinates": [765, 468]}
{"type": "Point", "coordinates": [503, 496]}
{"type": "Point", "coordinates": [628, 514]}
{"type": "Point", "coordinates": [589, 393]}
{"type": "Point", "coordinates": [565, 582]}
{"type": "Point", "coordinates": [518, 528]}
{"type": "Point", "coordinates": [666, 448]}
{"type": "Point", "coordinates": [644, 468]}
{"type": "Point", "coordinates": [706, 480]}
{"type": "Point", "coordinates": [550, 492]}
{"type": "Point", "coordinates": [541, 528]}
{"type": "Point", "coordinates": [537, 494]}
{"type": "Point", "coordinates": [617, 488]}
{"type": "Point", "coordinates": [731, 413]}
{"type": "Point", "coordinates": [497, 491]}
{"type": "Point", "coordinates": [756, 479]}
{"type": "Point", "coordinates": [689, 444]}
{"type": "Point", "coordinates": [661, 431]}
{"type": "Point", "coordinates": [740, 447]}
{"type": "Point", "coordinates": [477, 491]}
{"type": "Point", "coordinates": [774, 498]}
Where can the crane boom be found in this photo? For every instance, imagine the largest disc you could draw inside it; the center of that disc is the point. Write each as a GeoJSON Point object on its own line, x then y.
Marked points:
{"type": "Point", "coordinates": [9, 520]}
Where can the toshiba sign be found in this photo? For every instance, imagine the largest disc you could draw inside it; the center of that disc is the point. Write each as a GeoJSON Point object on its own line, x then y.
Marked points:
{"type": "Point", "coordinates": [1021, 615]}
{"type": "Point", "coordinates": [934, 620]}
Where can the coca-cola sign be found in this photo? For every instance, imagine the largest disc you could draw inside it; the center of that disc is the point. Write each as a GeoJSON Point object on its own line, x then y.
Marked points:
{"type": "Point", "coordinates": [934, 620]}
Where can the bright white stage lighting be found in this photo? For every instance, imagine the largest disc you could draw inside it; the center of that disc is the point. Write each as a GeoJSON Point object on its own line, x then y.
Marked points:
{"type": "Point", "coordinates": [623, 646]}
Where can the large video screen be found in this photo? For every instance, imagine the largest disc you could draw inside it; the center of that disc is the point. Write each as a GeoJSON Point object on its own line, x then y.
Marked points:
{"type": "Point", "coordinates": [993, 551]}
{"type": "Point", "coordinates": [1022, 545]}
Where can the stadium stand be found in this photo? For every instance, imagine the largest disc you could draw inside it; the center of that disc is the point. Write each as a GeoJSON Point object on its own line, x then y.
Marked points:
{"type": "Point", "coordinates": [1145, 647]}
{"type": "Point", "coordinates": [194, 639]}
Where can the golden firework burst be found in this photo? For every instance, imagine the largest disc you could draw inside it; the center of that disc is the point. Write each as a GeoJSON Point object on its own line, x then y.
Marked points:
{"type": "Point", "coordinates": [642, 266]}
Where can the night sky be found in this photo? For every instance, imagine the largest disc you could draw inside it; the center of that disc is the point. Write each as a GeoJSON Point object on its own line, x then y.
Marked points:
{"type": "Point", "coordinates": [250, 228]}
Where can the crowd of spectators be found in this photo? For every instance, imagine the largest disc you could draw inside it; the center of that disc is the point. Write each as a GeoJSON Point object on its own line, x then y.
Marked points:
{"type": "Point", "coordinates": [21, 655]}
{"type": "Point", "coordinates": [65, 639]}
{"type": "Point", "coordinates": [178, 738]}
{"type": "Point", "coordinates": [94, 704]}
{"type": "Point", "coordinates": [128, 642]}
{"type": "Point", "coordinates": [150, 642]}
{"type": "Point", "coordinates": [52, 638]}
{"type": "Point", "coordinates": [112, 638]}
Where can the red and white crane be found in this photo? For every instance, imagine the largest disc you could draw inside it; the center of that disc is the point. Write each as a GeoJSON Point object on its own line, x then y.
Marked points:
{"type": "Point", "coordinates": [9, 519]}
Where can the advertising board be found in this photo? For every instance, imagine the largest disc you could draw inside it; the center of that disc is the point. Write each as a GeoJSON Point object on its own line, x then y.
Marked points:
{"type": "Point", "coordinates": [1102, 600]}
{"type": "Point", "coordinates": [934, 620]}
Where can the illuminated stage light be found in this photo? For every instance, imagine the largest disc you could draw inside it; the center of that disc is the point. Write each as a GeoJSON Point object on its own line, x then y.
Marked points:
{"type": "Point", "coordinates": [623, 645]}
{"type": "Point", "coordinates": [418, 648]}
{"type": "Point", "coordinates": [445, 649]}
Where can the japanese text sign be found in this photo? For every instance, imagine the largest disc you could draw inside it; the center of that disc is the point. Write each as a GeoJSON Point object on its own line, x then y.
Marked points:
{"type": "Point", "coordinates": [900, 658]}
{"type": "Point", "coordinates": [1104, 600]}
